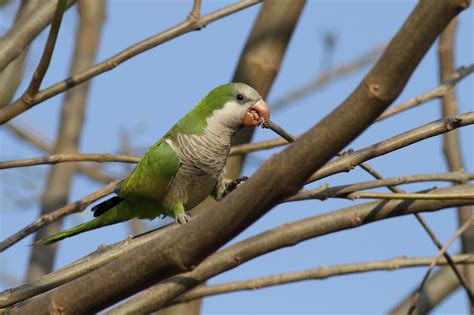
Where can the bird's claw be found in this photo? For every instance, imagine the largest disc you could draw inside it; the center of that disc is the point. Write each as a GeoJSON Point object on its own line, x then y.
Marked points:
{"type": "Point", "coordinates": [234, 184]}
{"type": "Point", "coordinates": [183, 218]}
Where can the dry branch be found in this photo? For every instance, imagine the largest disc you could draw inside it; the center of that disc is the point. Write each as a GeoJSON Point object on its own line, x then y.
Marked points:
{"type": "Point", "coordinates": [439, 92]}
{"type": "Point", "coordinates": [57, 214]}
{"type": "Point", "coordinates": [39, 143]}
{"type": "Point", "coordinates": [344, 190]}
{"type": "Point", "coordinates": [245, 250]}
{"type": "Point", "coordinates": [443, 250]}
{"type": "Point", "coordinates": [29, 25]}
{"type": "Point", "coordinates": [283, 236]}
{"type": "Point", "coordinates": [317, 274]}
{"type": "Point", "coordinates": [452, 144]}
{"type": "Point", "coordinates": [62, 158]}
{"type": "Point", "coordinates": [327, 76]}
{"type": "Point", "coordinates": [56, 192]}
{"type": "Point", "coordinates": [19, 106]}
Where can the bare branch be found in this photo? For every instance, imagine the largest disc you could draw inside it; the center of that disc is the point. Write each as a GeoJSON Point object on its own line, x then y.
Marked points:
{"type": "Point", "coordinates": [463, 228]}
{"type": "Point", "coordinates": [438, 92]}
{"type": "Point", "coordinates": [316, 274]}
{"type": "Point", "coordinates": [55, 215]}
{"type": "Point", "coordinates": [39, 143]}
{"type": "Point", "coordinates": [19, 106]}
{"type": "Point", "coordinates": [30, 24]}
{"type": "Point", "coordinates": [47, 53]}
{"type": "Point", "coordinates": [344, 190]}
{"type": "Point", "coordinates": [283, 236]}
{"type": "Point", "coordinates": [451, 144]}
{"type": "Point", "coordinates": [407, 196]}
{"type": "Point", "coordinates": [59, 180]}
{"type": "Point", "coordinates": [61, 158]}
{"type": "Point", "coordinates": [351, 159]}
{"type": "Point", "coordinates": [326, 77]}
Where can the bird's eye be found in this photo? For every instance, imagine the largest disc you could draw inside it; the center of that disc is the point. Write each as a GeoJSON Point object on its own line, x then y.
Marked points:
{"type": "Point", "coordinates": [239, 97]}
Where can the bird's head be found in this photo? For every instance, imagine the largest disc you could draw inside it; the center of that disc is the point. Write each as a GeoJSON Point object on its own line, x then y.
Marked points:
{"type": "Point", "coordinates": [237, 104]}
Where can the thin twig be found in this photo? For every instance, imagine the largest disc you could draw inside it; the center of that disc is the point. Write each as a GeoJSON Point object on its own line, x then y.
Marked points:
{"type": "Point", "coordinates": [43, 65]}
{"type": "Point", "coordinates": [316, 274]}
{"type": "Point", "coordinates": [435, 93]}
{"type": "Point", "coordinates": [344, 190]}
{"type": "Point", "coordinates": [407, 196]}
{"type": "Point", "coordinates": [38, 142]}
{"type": "Point", "coordinates": [62, 158]}
{"type": "Point", "coordinates": [325, 77]}
{"type": "Point", "coordinates": [434, 261]}
{"type": "Point", "coordinates": [196, 10]}
{"type": "Point", "coordinates": [401, 195]}
{"type": "Point", "coordinates": [55, 215]}
{"type": "Point", "coordinates": [19, 106]}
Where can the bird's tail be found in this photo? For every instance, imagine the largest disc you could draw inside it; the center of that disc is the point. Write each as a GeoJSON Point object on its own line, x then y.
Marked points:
{"type": "Point", "coordinates": [109, 212]}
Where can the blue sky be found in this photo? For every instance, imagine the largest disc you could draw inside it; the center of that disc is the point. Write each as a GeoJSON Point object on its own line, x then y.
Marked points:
{"type": "Point", "coordinates": [146, 95]}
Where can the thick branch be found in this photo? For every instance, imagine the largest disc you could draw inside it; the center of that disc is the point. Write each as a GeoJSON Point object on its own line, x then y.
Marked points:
{"type": "Point", "coordinates": [283, 236]}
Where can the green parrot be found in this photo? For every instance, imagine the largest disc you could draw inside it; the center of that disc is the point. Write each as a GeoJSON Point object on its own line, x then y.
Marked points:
{"type": "Point", "coordinates": [185, 166]}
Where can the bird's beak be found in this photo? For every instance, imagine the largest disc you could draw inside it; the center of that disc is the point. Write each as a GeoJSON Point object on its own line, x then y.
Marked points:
{"type": "Point", "coordinates": [257, 114]}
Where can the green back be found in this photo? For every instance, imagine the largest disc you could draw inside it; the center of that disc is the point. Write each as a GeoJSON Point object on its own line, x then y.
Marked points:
{"type": "Point", "coordinates": [152, 175]}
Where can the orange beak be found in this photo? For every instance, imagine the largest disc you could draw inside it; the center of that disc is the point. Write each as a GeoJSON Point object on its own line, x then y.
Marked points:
{"type": "Point", "coordinates": [258, 112]}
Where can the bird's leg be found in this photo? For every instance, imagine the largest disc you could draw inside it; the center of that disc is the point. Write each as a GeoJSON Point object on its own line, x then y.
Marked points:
{"type": "Point", "coordinates": [179, 215]}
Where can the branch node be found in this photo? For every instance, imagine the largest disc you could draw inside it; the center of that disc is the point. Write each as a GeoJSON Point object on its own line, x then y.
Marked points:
{"type": "Point", "coordinates": [452, 123]}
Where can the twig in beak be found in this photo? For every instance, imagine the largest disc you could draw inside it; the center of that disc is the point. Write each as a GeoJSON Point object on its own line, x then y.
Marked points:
{"type": "Point", "coordinates": [277, 129]}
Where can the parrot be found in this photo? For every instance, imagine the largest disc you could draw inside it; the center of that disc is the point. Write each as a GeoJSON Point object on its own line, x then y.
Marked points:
{"type": "Point", "coordinates": [185, 166]}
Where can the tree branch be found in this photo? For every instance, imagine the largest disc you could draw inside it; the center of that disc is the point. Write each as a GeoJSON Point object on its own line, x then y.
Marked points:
{"type": "Point", "coordinates": [443, 250]}
{"type": "Point", "coordinates": [283, 236]}
{"type": "Point", "coordinates": [43, 65]}
{"type": "Point", "coordinates": [39, 143]}
{"type": "Point", "coordinates": [29, 25]}
{"type": "Point", "coordinates": [451, 144]}
{"type": "Point", "coordinates": [19, 106]}
{"type": "Point", "coordinates": [57, 214]}
{"type": "Point", "coordinates": [56, 191]}
{"type": "Point", "coordinates": [327, 76]}
{"type": "Point", "coordinates": [316, 274]}
{"type": "Point", "coordinates": [439, 92]}
{"type": "Point", "coordinates": [62, 158]}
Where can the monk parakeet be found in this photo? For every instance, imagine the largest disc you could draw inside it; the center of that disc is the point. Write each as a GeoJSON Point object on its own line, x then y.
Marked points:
{"type": "Point", "coordinates": [185, 166]}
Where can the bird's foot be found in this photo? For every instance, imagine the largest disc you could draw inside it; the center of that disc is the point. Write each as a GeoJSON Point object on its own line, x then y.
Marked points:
{"type": "Point", "coordinates": [183, 218]}
{"type": "Point", "coordinates": [234, 184]}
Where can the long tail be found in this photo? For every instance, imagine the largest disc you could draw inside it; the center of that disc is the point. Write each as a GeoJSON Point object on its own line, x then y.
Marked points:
{"type": "Point", "coordinates": [109, 212]}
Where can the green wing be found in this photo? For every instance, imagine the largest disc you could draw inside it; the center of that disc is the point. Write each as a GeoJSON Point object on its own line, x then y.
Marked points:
{"type": "Point", "coordinates": [152, 175]}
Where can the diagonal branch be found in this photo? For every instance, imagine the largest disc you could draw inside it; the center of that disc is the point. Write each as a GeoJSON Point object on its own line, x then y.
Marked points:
{"type": "Point", "coordinates": [443, 250]}
{"type": "Point", "coordinates": [55, 215]}
{"type": "Point", "coordinates": [30, 24]}
{"type": "Point", "coordinates": [45, 60]}
{"type": "Point", "coordinates": [19, 106]}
